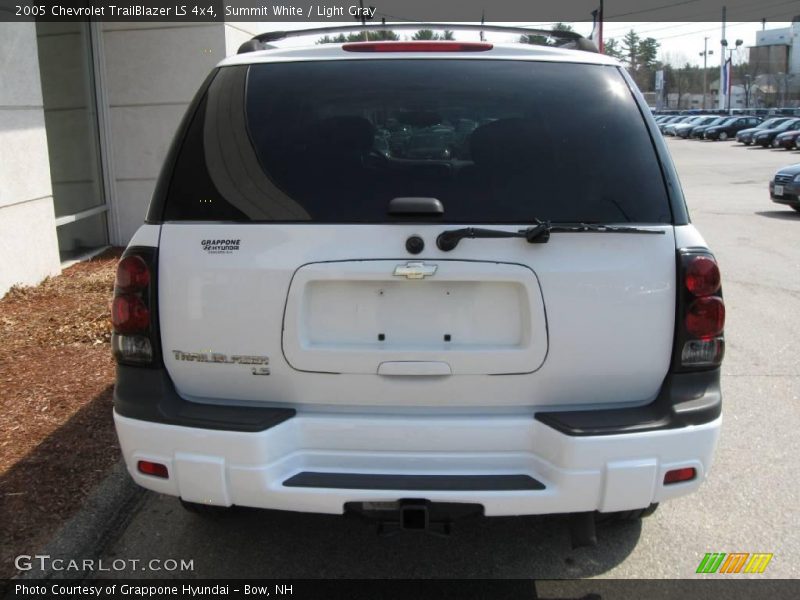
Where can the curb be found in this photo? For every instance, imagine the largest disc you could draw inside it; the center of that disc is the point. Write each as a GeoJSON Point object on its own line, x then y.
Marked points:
{"type": "Point", "coordinates": [104, 514]}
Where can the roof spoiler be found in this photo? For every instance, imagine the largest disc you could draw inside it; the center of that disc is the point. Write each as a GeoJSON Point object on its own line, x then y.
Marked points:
{"type": "Point", "coordinates": [568, 39]}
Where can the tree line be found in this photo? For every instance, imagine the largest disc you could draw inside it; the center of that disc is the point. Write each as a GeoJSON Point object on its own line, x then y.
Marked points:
{"type": "Point", "coordinates": [384, 35]}
{"type": "Point", "coordinates": [639, 55]}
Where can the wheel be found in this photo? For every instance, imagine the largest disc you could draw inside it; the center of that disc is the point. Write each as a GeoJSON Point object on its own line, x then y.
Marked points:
{"type": "Point", "coordinates": [723, 136]}
{"type": "Point", "coordinates": [208, 511]}
{"type": "Point", "coordinates": [626, 515]}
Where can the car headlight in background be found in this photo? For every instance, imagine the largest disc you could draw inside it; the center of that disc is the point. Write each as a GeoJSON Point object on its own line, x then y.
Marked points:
{"type": "Point", "coordinates": [796, 179]}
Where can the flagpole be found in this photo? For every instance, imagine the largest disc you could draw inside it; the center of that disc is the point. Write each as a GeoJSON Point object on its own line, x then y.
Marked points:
{"type": "Point", "coordinates": [730, 81]}
{"type": "Point", "coordinates": [601, 46]}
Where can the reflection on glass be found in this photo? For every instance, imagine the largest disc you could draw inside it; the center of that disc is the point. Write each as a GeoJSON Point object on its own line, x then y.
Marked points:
{"type": "Point", "coordinates": [79, 237]}
{"type": "Point", "coordinates": [70, 112]}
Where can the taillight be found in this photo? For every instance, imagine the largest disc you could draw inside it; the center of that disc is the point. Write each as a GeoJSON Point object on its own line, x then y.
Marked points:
{"type": "Point", "coordinates": [705, 318]}
{"type": "Point", "coordinates": [417, 46]}
{"type": "Point", "coordinates": [131, 311]}
{"type": "Point", "coordinates": [699, 337]}
{"type": "Point", "coordinates": [129, 314]}
{"type": "Point", "coordinates": [702, 276]}
{"type": "Point", "coordinates": [132, 274]}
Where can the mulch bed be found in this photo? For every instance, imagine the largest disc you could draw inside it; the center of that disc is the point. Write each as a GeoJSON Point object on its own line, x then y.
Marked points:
{"type": "Point", "coordinates": [57, 437]}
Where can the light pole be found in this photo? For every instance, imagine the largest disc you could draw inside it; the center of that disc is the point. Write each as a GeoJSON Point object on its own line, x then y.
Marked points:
{"type": "Point", "coordinates": [730, 70]}
{"type": "Point", "coordinates": [705, 54]}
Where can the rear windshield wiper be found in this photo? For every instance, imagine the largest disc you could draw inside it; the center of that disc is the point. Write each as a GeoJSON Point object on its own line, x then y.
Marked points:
{"type": "Point", "coordinates": [537, 234]}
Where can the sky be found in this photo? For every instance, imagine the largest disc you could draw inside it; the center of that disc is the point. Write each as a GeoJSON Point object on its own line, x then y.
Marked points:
{"type": "Point", "coordinates": [680, 42]}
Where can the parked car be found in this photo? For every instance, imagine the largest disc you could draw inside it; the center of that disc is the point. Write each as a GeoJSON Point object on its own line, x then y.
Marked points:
{"type": "Point", "coordinates": [730, 128]}
{"type": "Point", "coordinates": [698, 130]}
{"type": "Point", "coordinates": [765, 137]}
{"type": "Point", "coordinates": [684, 129]}
{"type": "Point", "coordinates": [785, 187]}
{"type": "Point", "coordinates": [786, 140]}
{"type": "Point", "coordinates": [670, 121]}
{"type": "Point", "coordinates": [331, 334]}
{"type": "Point", "coordinates": [745, 136]}
{"type": "Point", "coordinates": [671, 128]}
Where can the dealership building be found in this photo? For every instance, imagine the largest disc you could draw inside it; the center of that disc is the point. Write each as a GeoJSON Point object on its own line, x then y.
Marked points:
{"type": "Point", "coordinates": [87, 112]}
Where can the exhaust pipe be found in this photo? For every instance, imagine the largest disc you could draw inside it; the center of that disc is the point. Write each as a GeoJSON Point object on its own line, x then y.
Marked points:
{"type": "Point", "coordinates": [582, 530]}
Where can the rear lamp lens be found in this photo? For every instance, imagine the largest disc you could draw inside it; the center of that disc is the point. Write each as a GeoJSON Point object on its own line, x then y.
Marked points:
{"type": "Point", "coordinates": [152, 468]}
{"type": "Point", "coordinates": [702, 276]}
{"type": "Point", "coordinates": [129, 314]}
{"type": "Point", "coordinates": [705, 318]}
{"type": "Point", "coordinates": [680, 475]}
{"type": "Point", "coordinates": [415, 46]}
{"type": "Point", "coordinates": [132, 348]}
{"type": "Point", "coordinates": [132, 274]}
{"type": "Point", "coordinates": [703, 353]}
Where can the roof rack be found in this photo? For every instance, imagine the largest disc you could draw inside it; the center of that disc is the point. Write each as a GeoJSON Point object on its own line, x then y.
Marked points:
{"type": "Point", "coordinates": [570, 38]}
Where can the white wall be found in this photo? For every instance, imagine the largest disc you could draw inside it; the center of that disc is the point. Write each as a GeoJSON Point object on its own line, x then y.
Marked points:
{"type": "Point", "coordinates": [151, 73]}
{"type": "Point", "coordinates": [28, 244]}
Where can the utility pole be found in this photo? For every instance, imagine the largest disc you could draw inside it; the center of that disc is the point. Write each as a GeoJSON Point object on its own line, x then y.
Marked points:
{"type": "Point", "coordinates": [364, 21]}
{"type": "Point", "coordinates": [722, 61]}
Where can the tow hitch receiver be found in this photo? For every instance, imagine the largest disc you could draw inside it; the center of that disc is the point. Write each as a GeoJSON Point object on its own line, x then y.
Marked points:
{"type": "Point", "coordinates": [413, 514]}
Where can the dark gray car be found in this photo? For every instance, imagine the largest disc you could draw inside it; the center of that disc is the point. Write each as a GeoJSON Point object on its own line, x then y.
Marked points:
{"type": "Point", "coordinates": [785, 187]}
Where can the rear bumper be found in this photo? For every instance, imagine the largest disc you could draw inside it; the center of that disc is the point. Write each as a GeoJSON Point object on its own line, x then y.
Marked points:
{"type": "Point", "coordinates": [554, 463]}
{"type": "Point", "coordinates": [261, 469]}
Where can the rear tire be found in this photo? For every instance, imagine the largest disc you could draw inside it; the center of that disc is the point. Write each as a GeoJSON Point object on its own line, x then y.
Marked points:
{"type": "Point", "coordinates": [626, 516]}
{"type": "Point", "coordinates": [207, 511]}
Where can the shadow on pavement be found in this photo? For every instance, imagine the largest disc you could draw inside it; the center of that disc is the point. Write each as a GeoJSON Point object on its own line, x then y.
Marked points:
{"type": "Point", "coordinates": [47, 486]}
{"type": "Point", "coordinates": [273, 544]}
{"type": "Point", "coordinates": [785, 215]}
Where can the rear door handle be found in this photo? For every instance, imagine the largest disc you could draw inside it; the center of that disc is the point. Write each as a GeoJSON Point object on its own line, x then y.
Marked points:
{"type": "Point", "coordinates": [411, 368]}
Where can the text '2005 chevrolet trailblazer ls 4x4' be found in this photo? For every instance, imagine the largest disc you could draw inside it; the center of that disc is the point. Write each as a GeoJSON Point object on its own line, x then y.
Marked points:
{"type": "Point", "coordinates": [402, 277]}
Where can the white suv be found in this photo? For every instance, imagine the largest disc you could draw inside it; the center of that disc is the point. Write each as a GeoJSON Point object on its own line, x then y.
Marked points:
{"type": "Point", "coordinates": [399, 276]}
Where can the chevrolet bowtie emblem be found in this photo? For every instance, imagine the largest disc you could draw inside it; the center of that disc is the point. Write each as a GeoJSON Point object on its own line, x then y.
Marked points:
{"type": "Point", "coordinates": [414, 270]}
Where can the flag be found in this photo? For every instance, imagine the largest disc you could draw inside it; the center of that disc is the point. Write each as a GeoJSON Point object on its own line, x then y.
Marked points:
{"type": "Point", "coordinates": [725, 88]}
{"type": "Point", "coordinates": [729, 76]}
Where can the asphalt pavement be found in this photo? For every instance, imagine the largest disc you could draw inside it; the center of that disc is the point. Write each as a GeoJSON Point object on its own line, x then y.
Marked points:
{"type": "Point", "coordinates": [748, 504]}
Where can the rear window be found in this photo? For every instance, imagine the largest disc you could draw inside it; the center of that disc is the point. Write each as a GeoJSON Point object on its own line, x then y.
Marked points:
{"type": "Point", "coordinates": [494, 141]}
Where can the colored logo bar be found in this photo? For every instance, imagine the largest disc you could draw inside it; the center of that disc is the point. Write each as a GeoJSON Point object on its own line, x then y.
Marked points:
{"type": "Point", "coordinates": [735, 562]}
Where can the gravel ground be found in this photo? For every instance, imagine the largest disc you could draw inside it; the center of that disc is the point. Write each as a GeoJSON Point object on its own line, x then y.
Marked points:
{"type": "Point", "coordinates": [57, 438]}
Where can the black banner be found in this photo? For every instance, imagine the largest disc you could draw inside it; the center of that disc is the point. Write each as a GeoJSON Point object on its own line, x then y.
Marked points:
{"type": "Point", "coordinates": [719, 588]}
{"type": "Point", "coordinates": [541, 12]}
